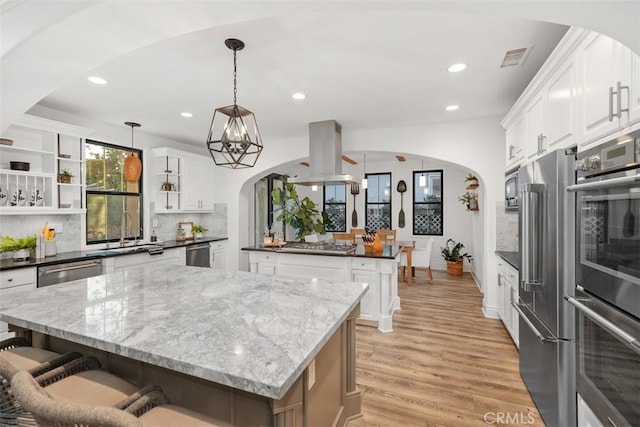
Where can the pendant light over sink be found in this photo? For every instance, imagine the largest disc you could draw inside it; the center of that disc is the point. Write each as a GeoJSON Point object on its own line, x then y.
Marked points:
{"type": "Point", "coordinates": [132, 164]}
{"type": "Point", "coordinates": [234, 140]}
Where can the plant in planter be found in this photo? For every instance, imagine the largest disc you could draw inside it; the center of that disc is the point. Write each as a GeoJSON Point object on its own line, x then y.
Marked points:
{"type": "Point", "coordinates": [451, 254]}
{"type": "Point", "coordinates": [167, 186]}
{"type": "Point", "coordinates": [64, 177]}
{"type": "Point", "coordinates": [470, 200]}
{"type": "Point", "coordinates": [198, 231]}
{"type": "Point", "coordinates": [302, 215]}
{"type": "Point", "coordinates": [471, 180]}
{"type": "Point", "coordinates": [22, 248]}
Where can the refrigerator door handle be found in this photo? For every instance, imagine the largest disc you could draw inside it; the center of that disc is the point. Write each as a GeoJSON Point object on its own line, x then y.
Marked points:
{"type": "Point", "coordinates": [531, 326]}
{"type": "Point", "coordinates": [632, 342]}
{"type": "Point", "coordinates": [533, 217]}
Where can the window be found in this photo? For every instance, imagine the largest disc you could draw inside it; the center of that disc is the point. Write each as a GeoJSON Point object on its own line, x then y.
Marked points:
{"type": "Point", "coordinates": [427, 204]}
{"type": "Point", "coordinates": [114, 206]}
{"type": "Point", "coordinates": [378, 201]}
{"type": "Point", "coordinates": [335, 205]}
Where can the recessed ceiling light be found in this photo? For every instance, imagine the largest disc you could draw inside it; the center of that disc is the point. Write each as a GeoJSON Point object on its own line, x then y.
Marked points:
{"type": "Point", "coordinates": [186, 114]}
{"type": "Point", "coordinates": [298, 95]}
{"type": "Point", "coordinates": [455, 68]}
{"type": "Point", "coordinates": [452, 107]}
{"type": "Point", "coordinates": [97, 80]}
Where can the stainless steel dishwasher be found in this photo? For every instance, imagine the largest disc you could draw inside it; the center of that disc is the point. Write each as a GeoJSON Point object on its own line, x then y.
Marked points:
{"type": "Point", "coordinates": [198, 255]}
{"type": "Point", "coordinates": [65, 272]}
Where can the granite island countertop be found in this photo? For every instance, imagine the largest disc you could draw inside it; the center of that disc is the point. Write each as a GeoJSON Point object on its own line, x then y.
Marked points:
{"type": "Point", "coordinates": [249, 331]}
{"type": "Point", "coordinates": [61, 257]}
{"type": "Point", "coordinates": [388, 252]}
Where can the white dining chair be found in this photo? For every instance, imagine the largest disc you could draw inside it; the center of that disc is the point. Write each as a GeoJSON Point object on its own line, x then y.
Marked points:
{"type": "Point", "coordinates": [421, 258]}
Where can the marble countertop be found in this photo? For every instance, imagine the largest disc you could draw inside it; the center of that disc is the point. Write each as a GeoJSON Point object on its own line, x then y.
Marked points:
{"type": "Point", "coordinates": [248, 331]}
{"type": "Point", "coordinates": [388, 252]}
{"type": "Point", "coordinates": [10, 264]}
{"type": "Point", "coordinates": [513, 258]}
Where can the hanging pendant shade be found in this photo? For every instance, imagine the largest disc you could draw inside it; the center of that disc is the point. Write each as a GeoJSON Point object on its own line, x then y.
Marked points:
{"type": "Point", "coordinates": [423, 179]}
{"type": "Point", "coordinates": [132, 165]}
{"type": "Point", "coordinates": [365, 182]}
{"type": "Point", "coordinates": [234, 140]}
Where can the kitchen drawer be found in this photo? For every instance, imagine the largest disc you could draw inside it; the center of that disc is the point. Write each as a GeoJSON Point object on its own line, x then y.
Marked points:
{"type": "Point", "coordinates": [267, 257]}
{"type": "Point", "coordinates": [17, 277]}
{"type": "Point", "coordinates": [363, 264]}
{"type": "Point", "coordinates": [218, 245]}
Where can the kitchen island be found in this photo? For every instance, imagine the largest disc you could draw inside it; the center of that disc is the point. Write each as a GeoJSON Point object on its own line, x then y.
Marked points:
{"type": "Point", "coordinates": [378, 269]}
{"type": "Point", "coordinates": [246, 348]}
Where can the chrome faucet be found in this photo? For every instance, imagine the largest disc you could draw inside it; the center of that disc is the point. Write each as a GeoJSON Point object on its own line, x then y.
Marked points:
{"type": "Point", "coordinates": [137, 236]}
{"type": "Point", "coordinates": [124, 228]}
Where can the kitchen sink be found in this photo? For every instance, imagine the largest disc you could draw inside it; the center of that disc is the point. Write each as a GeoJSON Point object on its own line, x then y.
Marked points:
{"type": "Point", "coordinates": [125, 250]}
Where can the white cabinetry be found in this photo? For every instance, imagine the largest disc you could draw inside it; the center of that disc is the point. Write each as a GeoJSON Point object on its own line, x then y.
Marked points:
{"type": "Point", "coordinates": [515, 143]}
{"type": "Point", "coordinates": [121, 262]}
{"type": "Point", "coordinates": [561, 107]}
{"type": "Point", "coordinates": [49, 148]}
{"type": "Point", "coordinates": [218, 254]}
{"type": "Point", "coordinates": [192, 181]}
{"type": "Point", "coordinates": [634, 90]}
{"type": "Point", "coordinates": [535, 116]}
{"type": "Point", "coordinates": [586, 417]}
{"type": "Point", "coordinates": [362, 271]}
{"type": "Point", "coordinates": [508, 293]}
{"type": "Point", "coordinates": [12, 281]}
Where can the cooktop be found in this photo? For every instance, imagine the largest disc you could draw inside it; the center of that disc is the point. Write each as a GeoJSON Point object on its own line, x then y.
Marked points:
{"type": "Point", "coordinates": [319, 247]}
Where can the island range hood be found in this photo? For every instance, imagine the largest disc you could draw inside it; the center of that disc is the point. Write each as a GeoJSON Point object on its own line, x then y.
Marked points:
{"type": "Point", "coordinates": [325, 156]}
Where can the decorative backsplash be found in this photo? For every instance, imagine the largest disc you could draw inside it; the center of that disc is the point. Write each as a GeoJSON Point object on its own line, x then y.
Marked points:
{"type": "Point", "coordinates": [215, 223]}
{"type": "Point", "coordinates": [506, 229]}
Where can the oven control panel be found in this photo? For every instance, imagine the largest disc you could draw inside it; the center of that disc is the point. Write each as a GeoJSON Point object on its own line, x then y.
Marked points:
{"type": "Point", "coordinates": [619, 154]}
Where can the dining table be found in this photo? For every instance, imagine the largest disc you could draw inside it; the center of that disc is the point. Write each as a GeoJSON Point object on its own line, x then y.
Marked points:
{"type": "Point", "coordinates": [407, 247]}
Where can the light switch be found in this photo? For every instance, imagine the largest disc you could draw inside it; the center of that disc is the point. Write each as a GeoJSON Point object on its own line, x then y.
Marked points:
{"type": "Point", "coordinates": [311, 374]}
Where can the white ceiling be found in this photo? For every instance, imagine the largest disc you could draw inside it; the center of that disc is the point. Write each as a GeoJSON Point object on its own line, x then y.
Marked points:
{"type": "Point", "coordinates": [366, 69]}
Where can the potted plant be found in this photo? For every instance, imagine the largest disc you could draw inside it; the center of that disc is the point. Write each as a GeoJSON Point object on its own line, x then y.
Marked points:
{"type": "Point", "coordinates": [22, 248]}
{"type": "Point", "coordinates": [471, 180]}
{"type": "Point", "coordinates": [451, 254]}
{"type": "Point", "coordinates": [167, 186]}
{"type": "Point", "coordinates": [198, 231]}
{"type": "Point", "coordinates": [302, 215]}
{"type": "Point", "coordinates": [64, 177]}
{"type": "Point", "coordinates": [470, 200]}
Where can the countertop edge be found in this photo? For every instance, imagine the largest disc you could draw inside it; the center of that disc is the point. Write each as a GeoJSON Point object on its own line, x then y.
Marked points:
{"type": "Point", "coordinates": [339, 255]}
{"type": "Point", "coordinates": [511, 258]}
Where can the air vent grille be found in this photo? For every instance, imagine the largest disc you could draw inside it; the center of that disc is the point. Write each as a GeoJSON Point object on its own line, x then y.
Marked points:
{"type": "Point", "coordinates": [515, 57]}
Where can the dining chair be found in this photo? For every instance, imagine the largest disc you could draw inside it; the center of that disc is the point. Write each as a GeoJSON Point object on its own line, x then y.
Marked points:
{"type": "Point", "coordinates": [387, 237]}
{"type": "Point", "coordinates": [357, 234]}
{"type": "Point", "coordinates": [342, 238]}
{"type": "Point", "coordinates": [421, 258]}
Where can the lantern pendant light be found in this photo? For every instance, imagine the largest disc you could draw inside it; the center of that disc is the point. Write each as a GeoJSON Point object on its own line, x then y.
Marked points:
{"type": "Point", "coordinates": [132, 164]}
{"type": "Point", "coordinates": [423, 179]}
{"type": "Point", "coordinates": [364, 180]}
{"type": "Point", "coordinates": [234, 140]}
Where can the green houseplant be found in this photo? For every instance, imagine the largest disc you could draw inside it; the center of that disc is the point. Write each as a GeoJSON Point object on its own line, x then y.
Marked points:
{"type": "Point", "coordinates": [198, 231]}
{"type": "Point", "coordinates": [302, 215]}
{"type": "Point", "coordinates": [471, 180]}
{"type": "Point", "coordinates": [64, 177]}
{"type": "Point", "coordinates": [470, 200]}
{"type": "Point", "coordinates": [451, 253]}
{"type": "Point", "coordinates": [21, 248]}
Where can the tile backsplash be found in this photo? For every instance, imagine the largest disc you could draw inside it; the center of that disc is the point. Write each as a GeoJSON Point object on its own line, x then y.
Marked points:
{"type": "Point", "coordinates": [215, 222]}
{"type": "Point", "coordinates": [68, 239]}
{"type": "Point", "coordinates": [506, 229]}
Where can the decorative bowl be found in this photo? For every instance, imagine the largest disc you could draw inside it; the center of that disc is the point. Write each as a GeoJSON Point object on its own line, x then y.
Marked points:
{"type": "Point", "coordinates": [19, 166]}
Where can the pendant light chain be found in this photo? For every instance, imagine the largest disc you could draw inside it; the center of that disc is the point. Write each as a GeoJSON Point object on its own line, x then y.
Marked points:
{"type": "Point", "coordinates": [132, 140]}
{"type": "Point", "coordinates": [235, 78]}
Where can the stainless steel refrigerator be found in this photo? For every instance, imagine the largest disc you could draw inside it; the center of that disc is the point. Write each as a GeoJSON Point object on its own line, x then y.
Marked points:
{"type": "Point", "coordinates": [547, 248]}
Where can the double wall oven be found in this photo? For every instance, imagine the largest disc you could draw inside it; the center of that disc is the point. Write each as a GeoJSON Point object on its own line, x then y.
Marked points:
{"type": "Point", "coordinates": [607, 297]}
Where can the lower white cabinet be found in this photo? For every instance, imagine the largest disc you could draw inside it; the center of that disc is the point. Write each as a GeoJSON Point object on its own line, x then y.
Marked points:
{"type": "Point", "coordinates": [172, 255]}
{"type": "Point", "coordinates": [218, 254]}
{"type": "Point", "coordinates": [586, 417]}
{"type": "Point", "coordinates": [507, 293]}
{"type": "Point", "coordinates": [12, 281]}
{"type": "Point", "coordinates": [378, 304]}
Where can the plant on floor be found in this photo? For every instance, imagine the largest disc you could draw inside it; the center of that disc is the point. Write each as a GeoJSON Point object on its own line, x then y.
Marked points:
{"type": "Point", "coordinates": [302, 215]}
{"type": "Point", "coordinates": [451, 253]}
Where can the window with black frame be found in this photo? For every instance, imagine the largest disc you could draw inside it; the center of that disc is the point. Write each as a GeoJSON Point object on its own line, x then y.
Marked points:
{"type": "Point", "coordinates": [378, 201]}
{"type": "Point", "coordinates": [335, 205]}
{"type": "Point", "coordinates": [428, 209]}
{"type": "Point", "coordinates": [114, 206]}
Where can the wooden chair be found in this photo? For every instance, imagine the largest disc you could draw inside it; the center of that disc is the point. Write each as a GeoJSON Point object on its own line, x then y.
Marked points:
{"type": "Point", "coordinates": [387, 237]}
{"type": "Point", "coordinates": [357, 234]}
{"type": "Point", "coordinates": [421, 258]}
{"type": "Point", "coordinates": [342, 238]}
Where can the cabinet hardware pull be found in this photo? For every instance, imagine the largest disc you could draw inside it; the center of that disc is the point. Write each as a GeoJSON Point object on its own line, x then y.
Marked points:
{"type": "Point", "coordinates": [619, 92]}
{"type": "Point", "coordinates": [10, 279]}
{"type": "Point", "coordinates": [610, 103]}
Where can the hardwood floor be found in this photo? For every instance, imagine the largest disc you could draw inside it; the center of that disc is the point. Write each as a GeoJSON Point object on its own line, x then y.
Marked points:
{"type": "Point", "coordinates": [444, 364]}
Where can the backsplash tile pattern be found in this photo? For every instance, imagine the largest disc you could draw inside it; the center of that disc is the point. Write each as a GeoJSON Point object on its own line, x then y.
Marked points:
{"type": "Point", "coordinates": [506, 229]}
{"type": "Point", "coordinates": [215, 222]}
{"type": "Point", "coordinates": [21, 225]}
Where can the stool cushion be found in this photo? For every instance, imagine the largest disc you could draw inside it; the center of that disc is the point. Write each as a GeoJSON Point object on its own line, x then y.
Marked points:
{"type": "Point", "coordinates": [172, 415]}
{"type": "Point", "coordinates": [25, 358]}
{"type": "Point", "coordinates": [94, 387]}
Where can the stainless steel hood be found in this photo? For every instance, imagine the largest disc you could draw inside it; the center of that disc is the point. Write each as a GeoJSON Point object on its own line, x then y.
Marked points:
{"type": "Point", "coordinates": [325, 156]}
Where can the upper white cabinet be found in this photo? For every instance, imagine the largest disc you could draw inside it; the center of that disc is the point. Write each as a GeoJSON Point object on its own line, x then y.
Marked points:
{"type": "Point", "coordinates": [634, 90]}
{"type": "Point", "coordinates": [603, 93]}
{"type": "Point", "coordinates": [49, 148]}
{"type": "Point", "coordinates": [561, 107]}
{"type": "Point", "coordinates": [515, 143]}
{"type": "Point", "coordinates": [184, 182]}
{"type": "Point", "coordinates": [535, 124]}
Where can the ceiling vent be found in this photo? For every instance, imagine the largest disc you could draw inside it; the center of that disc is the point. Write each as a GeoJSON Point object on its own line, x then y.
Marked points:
{"type": "Point", "coordinates": [515, 57]}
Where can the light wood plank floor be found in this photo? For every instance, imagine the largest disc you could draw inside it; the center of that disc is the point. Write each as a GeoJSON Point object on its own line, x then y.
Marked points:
{"type": "Point", "coordinates": [444, 364]}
